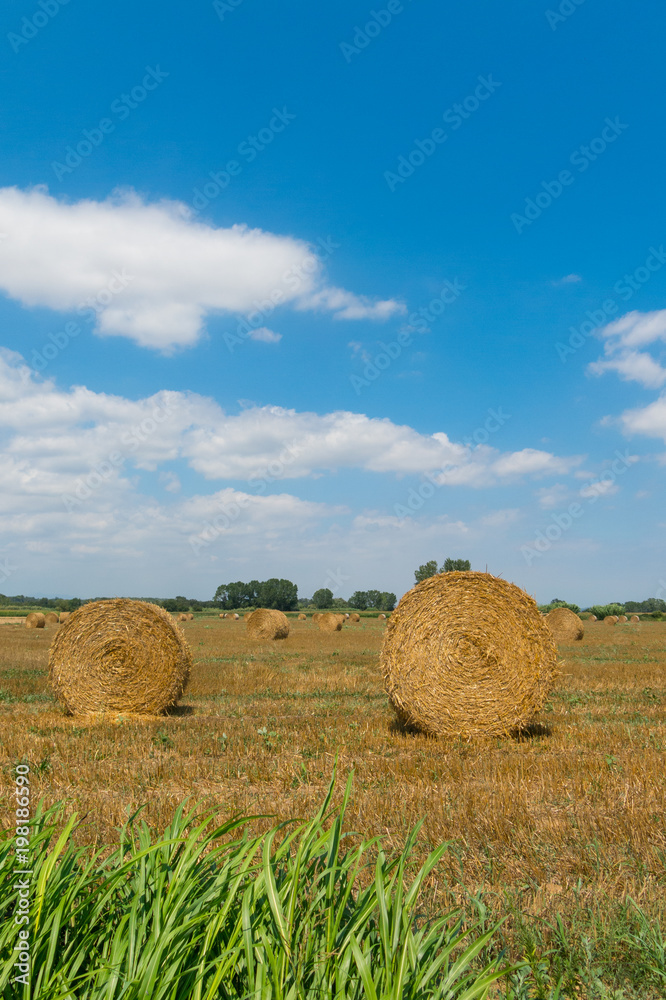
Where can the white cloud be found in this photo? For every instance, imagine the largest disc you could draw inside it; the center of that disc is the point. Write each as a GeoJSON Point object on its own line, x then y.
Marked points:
{"type": "Point", "coordinates": [552, 496]}
{"type": "Point", "coordinates": [568, 279]}
{"type": "Point", "coordinates": [622, 338]}
{"type": "Point", "coordinates": [174, 271]}
{"type": "Point", "coordinates": [501, 518]}
{"type": "Point", "coordinates": [265, 335]}
{"type": "Point", "coordinates": [633, 366]}
{"type": "Point", "coordinates": [649, 420]}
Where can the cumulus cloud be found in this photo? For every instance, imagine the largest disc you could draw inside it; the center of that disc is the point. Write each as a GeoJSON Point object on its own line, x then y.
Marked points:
{"type": "Point", "coordinates": [152, 273]}
{"type": "Point", "coordinates": [265, 335]}
{"type": "Point", "coordinates": [622, 339]}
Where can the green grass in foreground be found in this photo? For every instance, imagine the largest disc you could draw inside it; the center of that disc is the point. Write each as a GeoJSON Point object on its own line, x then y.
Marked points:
{"type": "Point", "coordinates": [185, 917]}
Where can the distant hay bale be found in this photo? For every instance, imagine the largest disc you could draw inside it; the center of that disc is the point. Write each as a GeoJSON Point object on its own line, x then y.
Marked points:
{"type": "Point", "coordinates": [329, 623]}
{"type": "Point", "coordinates": [302, 618]}
{"type": "Point", "coordinates": [634, 620]}
{"type": "Point", "coordinates": [341, 619]}
{"type": "Point", "coordinates": [565, 625]}
{"type": "Point", "coordinates": [64, 615]}
{"type": "Point", "coordinates": [222, 616]}
{"type": "Point", "coordinates": [51, 618]}
{"type": "Point", "coordinates": [316, 616]}
{"type": "Point", "coordinates": [347, 615]}
{"type": "Point", "coordinates": [267, 623]}
{"type": "Point", "coordinates": [182, 617]}
{"type": "Point", "coordinates": [35, 620]}
{"type": "Point", "coordinates": [592, 618]}
{"type": "Point", "coordinates": [382, 617]}
{"type": "Point", "coordinates": [119, 656]}
{"type": "Point", "coordinates": [467, 654]}
{"type": "Point", "coordinates": [235, 617]}
{"type": "Point", "coordinates": [190, 616]}
{"type": "Point", "coordinates": [622, 619]}
{"type": "Point", "coordinates": [354, 618]}
{"type": "Point", "coordinates": [610, 620]}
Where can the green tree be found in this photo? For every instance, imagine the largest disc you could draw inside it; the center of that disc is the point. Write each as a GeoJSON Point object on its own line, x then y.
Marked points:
{"type": "Point", "coordinates": [423, 572]}
{"type": "Point", "coordinates": [359, 600]}
{"type": "Point", "coordinates": [459, 565]}
{"type": "Point", "coordinates": [387, 601]}
{"type": "Point", "coordinates": [279, 594]}
{"type": "Point", "coordinates": [557, 602]}
{"type": "Point", "coordinates": [322, 598]}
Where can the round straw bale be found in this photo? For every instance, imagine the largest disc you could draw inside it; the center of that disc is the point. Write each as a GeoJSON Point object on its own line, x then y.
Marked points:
{"type": "Point", "coordinates": [592, 618]}
{"type": "Point", "coordinates": [623, 618]}
{"type": "Point", "coordinates": [64, 615]}
{"type": "Point", "coordinates": [634, 620]}
{"type": "Point", "coordinates": [182, 617]}
{"type": "Point", "coordinates": [222, 616]}
{"type": "Point", "coordinates": [235, 617]}
{"type": "Point", "coordinates": [119, 656]}
{"type": "Point", "coordinates": [267, 623]}
{"type": "Point", "coordinates": [329, 622]}
{"type": "Point", "coordinates": [51, 618]}
{"type": "Point", "coordinates": [302, 618]}
{"type": "Point", "coordinates": [466, 654]}
{"type": "Point", "coordinates": [341, 619]}
{"type": "Point", "coordinates": [610, 620]}
{"type": "Point", "coordinates": [347, 614]}
{"type": "Point", "coordinates": [354, 618]}
{"type": "Point", "coordinates": [316, 616]}
{"type": "Point", "coordinates": [565, 625]}
{"type": "Point", "coordinates": [382, 617]}
{"type": "Point", "coordinates": [35, 620]}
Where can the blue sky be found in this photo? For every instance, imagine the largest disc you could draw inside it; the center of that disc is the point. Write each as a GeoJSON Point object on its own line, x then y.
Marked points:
{"type": "Point", "coordinates": [443, 228]}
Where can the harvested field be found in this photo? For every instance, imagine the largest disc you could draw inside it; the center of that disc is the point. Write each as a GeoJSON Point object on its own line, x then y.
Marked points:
{"type": "Point", "coordinates": [568, 820]}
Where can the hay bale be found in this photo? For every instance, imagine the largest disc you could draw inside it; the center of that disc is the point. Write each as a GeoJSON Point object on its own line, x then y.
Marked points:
{"type": "Point", "coordinates": [354, 618]}
{"type": "Point", "coordinates": [316, 616]}
{"type": "Point", "coordinates": [267, 623]}
{"type": "Point", "coordinates": [341, 619]}
{"type": "Point", "coordinates": [235, 617]}
{"type": "Point", "coordinates": [329, 622]}
{"type": "Point", "coordinates": [382, 617]}
{"type": "Point", "coordinates": [592, 618]}
{"type": "Point", "coordinates": [466, 654]}
{"type": "Point", "coordinates": [222, 616]}
{"type": "Point", "coordinates": [119, 656]}
{"type": "Point", "coordinates": [565, 625]}
{"type": "Point", "coordinates": [182, 617]}
{"type": "Point", "coordinates": [347, 614]}
{"type": "Point", "coordinates": [610, 620]}
{"type": "Point", "coordinates": [64, 615]}
{"type": "Point", "coordinates": [51, 618]}
{"type": "Point", "coordinates": [622, 619]}
{"type": "Point", "coordinates": [302, 618]}
{"type": "Point", "coordinates": [634, 620]}
{"type": "Point", "coordinates": [35, 620]}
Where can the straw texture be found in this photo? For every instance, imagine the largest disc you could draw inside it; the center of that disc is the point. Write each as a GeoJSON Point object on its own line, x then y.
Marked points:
{"type": "Point", "coordinates": [35, 620]}
{"type": "Point", "coordinates": [267, 623]}
{"type": "Point", "coordinates": [329, 623]}
{"type": "Point", "coordinates": [64, 615]}
{"type": "Point", "coordinates": [119, 656]}
{"type": "Point", "coordinates": [565, 625]}
{"type": "Point", "coordinates": [51, 618]}
{"type": "Point", "coordinates": [467, 654]}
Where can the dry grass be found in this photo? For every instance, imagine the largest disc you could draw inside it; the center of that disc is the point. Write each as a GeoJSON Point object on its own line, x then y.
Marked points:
{"type": "Point", "coordinates": [568, 819]}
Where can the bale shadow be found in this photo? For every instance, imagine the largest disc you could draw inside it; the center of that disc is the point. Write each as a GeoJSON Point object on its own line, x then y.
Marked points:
{"type": "Point", "coordinates": [530, 731]}
{"type": "Point", "coordinates": [179, 711]}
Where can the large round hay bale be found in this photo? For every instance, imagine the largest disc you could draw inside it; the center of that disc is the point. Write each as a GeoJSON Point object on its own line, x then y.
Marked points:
{"type": "Point", "coordinates": [267, 623]}
{"type": "Point", "coordinates": [35, 620]}
{"type": "Point", "coordinates": [354, 618]}
{"type": "Point", "coordinates": [622, 619]}
{"type": "Point", "coordinates": [610, 620]}
{"type": "Point", "coordinates": [119, 656]}
{"type": "Point", "coordinates": [341, 619]}
{"type": "Point", "coordinates": [329, 622]}
{"type": "Point", "coordinates": [51, 618]}
{"type": "Point", "coordinates": [565, 625]}
{"type": "Point", "coordinates": [302, 618]}
{"type": "Point", "coordinates": [634, 620]}
{"type": "Point", "coordinates": [466, 654]}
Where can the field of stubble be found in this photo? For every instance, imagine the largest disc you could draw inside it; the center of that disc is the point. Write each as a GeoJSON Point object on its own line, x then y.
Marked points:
{"type": "Point", "coordinates": [570, 821]}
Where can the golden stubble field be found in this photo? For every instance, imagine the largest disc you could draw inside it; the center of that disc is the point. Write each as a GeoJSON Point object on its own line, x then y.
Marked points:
{"type": "Point", "coordinates": [570, 818]}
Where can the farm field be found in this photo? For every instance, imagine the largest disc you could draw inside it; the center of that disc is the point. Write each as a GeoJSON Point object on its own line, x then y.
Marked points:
{"type": "Point", "coordinates": [569, 819]}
